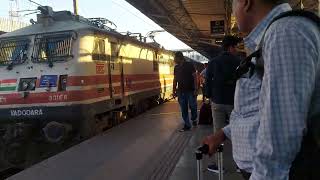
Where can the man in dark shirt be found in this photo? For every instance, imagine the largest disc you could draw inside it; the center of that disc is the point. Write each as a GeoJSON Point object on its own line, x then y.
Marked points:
{"type": "Point", "coordinates": [186, 79]}
{"type": "Point", "coordinates": [220, 84]}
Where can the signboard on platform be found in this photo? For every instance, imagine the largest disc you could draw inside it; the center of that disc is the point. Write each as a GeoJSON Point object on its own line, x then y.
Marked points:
{"type": "Point", "coordinates": [217, 27]}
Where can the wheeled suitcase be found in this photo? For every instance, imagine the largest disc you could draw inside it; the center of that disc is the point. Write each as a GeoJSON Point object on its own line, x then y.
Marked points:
{"type": "Point", "coordinates": [199, 155]}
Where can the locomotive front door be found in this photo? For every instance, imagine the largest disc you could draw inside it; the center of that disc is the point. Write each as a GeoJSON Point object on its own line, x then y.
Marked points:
{"type": "Point", "coordinates": [116, 73]}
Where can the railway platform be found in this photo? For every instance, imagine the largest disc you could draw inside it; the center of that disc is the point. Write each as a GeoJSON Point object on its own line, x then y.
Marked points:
{"type": "Point", "coordinates": [146, 147]}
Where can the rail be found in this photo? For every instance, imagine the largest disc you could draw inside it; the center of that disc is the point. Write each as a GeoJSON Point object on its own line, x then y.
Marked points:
{"type": "Point", "coordinates": [5, 173]}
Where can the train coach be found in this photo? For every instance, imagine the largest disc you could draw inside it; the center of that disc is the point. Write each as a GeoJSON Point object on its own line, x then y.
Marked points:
{"type": "Point", "coordinates": [66, 78]}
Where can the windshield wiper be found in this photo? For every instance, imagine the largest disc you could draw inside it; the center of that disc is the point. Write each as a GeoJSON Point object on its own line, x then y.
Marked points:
{"type": "Point", "coordinates": [22, 55]}
{"type": "Point", "coordinates": [10, 66]}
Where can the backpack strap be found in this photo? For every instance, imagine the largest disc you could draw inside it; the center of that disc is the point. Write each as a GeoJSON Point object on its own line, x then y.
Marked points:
{"type": "Point", "coordinates": [246, 64]}
{"type": "Point", "coordinates": [294, 13]}
{"type": "Point", "coordinates": [298, 13]}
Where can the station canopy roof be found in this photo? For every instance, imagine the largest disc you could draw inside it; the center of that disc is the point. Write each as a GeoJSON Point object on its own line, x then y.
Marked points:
{"type": "Point", "coordinates": [201, 24]}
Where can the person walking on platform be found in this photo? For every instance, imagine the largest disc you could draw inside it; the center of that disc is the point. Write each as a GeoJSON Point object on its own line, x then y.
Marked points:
{"type": "Point", "coordinates": [275, 124]}
{"type": "Point", "coordinates": [185, 87]}
{"type": "Point", "coordinates": [220, 85]}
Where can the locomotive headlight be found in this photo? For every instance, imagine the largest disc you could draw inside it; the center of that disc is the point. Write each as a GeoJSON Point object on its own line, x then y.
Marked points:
{"type": "Point", "coordinates": [25, 85]}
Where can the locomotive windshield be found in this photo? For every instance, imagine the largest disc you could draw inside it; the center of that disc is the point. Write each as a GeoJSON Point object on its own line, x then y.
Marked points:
{"type": "Point", "coordinates": [51, 48]}
{"type": "Point", "coordinates": [13, 51]}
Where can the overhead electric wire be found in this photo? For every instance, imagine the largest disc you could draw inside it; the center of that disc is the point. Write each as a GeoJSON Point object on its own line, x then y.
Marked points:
{"type": "Point", "coordinates": [35, 2]}
{"type": "Point", "coordinates": [127, 10]}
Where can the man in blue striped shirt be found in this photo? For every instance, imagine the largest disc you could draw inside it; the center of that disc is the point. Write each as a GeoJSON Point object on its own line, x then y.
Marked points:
{"type": "Point", "coordinates": [269, 118]}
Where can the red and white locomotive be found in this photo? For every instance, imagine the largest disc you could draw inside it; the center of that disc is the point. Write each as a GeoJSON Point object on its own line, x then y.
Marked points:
{"type": "Point", "coordinates": [66, 77]}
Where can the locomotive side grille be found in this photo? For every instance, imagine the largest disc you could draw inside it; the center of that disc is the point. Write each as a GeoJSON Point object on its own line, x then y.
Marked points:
{"type": "Point", "coordinates": [51, 48]}
{"type": "Point", "coordinates": [13, 51]}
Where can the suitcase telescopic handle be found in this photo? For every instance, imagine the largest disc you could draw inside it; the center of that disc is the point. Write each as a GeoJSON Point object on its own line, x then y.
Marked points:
{"type": "Point", "coordinates": [204, 149]}
{"type": "Point", "coordinates": [220, 148]}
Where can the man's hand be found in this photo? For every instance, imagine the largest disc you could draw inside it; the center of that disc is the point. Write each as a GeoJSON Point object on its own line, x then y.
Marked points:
{"type": "Point", "coordinates": [174, 93]}
{"type": "Point", "coordinates": [213, 141]}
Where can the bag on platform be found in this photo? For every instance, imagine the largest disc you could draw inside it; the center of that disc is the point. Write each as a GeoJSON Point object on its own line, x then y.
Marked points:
{"type": "Point", "coordinates": [205, 116]}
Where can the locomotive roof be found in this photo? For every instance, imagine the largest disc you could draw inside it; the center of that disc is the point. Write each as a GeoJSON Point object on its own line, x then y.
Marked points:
{"type": "Point", "coordinates": [65, 21]}
{"type": "Point", "coordinates": [56, 26]}
{"type": "Point", "coordinates": [57, 22]}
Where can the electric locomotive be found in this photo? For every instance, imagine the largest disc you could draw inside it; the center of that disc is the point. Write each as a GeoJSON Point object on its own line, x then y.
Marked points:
{"type": "Point", "coordinates": [66, 78]}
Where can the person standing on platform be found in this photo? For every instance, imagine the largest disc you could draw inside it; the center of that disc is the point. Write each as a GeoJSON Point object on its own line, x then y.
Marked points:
{"type": "Point", "coordinates": [203, 81]}
{"type": "Point", "coordinates": [220, 85]}
{"type": "Point", "coordinates": [274, 126]}
{"type": "Point", "coordinates": [185, 87]}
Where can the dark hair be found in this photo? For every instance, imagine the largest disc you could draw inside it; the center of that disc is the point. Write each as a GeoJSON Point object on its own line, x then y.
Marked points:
{"type": "Point", "coordinates": [178, 55]}
{"type": "Point", "coordinates": [274, 2]}
{"type": "Point", "coordinates": [229, 41]}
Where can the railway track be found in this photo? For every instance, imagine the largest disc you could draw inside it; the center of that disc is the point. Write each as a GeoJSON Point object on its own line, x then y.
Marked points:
{"type": "Point", "coordinates": [5, 173]}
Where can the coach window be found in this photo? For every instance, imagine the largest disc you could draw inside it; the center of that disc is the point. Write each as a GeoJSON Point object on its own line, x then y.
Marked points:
{"type": "Point", "coordinates": [99, 52]}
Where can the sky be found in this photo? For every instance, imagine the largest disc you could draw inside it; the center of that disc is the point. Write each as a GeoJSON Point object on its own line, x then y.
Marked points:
{"type": "Point", "coordinates": [125, 16]}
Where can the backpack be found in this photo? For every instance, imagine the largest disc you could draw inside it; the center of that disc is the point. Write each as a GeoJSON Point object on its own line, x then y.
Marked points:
{"type": "Point", "coordinates": [306, 164]}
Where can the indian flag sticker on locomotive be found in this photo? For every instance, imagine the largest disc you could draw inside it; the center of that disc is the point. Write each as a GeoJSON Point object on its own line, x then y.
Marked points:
{"type": "Point", "coordinates": [8, 84]}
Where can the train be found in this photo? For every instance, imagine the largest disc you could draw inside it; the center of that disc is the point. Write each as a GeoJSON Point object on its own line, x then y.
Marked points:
{"type": "Point", "coordinates": [66, 78]}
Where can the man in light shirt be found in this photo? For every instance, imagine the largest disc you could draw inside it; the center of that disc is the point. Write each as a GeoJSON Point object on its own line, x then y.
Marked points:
{"type": "Point", "coordinates": [269, 121]}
